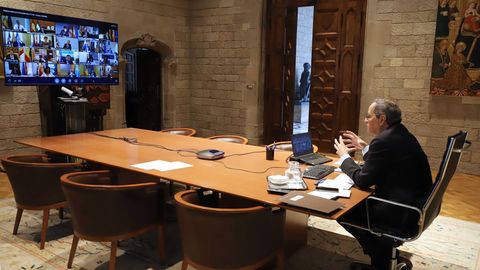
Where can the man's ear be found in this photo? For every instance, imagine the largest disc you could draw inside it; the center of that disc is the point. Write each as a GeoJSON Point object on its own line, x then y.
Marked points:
{"type": "Point", "coordinates": [383, 120]}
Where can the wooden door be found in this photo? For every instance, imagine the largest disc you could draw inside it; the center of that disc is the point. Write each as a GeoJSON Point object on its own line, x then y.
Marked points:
{"type": "Point", "coordinates": [336, 69]}
{"type": "Point", "coordinates": [337, 50]}
{"type": "Point", "coordinates": [278, 106]}
{"type": "Point", "coordinates": [143, 93]}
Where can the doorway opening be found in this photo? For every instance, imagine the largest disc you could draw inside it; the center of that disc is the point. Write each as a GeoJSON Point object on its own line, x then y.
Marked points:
{"type": "Point", "coordinates": [303, 64]}
{"type": "Point", "coordinates": [334, 55]}
{"type": "Point", "coordinates": [143, 89]}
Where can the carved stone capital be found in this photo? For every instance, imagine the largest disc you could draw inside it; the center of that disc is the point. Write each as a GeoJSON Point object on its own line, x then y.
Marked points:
{"type": "Point", "coordinates": [146, 41]}
{"type": "Point", "coordinates": [171, 63]}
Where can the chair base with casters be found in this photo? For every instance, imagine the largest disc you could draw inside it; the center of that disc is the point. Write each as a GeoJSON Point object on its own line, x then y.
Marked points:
{"type": "Point", "coordinates": [107, 208]}
{"type": "Point", "coordinates": [426, 213]}
{"type": "Point", "coordinates": [221, 231]}
{"type": "Point", "coordinates": [35, 181]}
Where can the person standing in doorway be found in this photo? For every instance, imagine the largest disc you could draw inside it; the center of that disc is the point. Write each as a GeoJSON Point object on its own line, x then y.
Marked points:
{"type": "Point", "coordinates": [305, 83]}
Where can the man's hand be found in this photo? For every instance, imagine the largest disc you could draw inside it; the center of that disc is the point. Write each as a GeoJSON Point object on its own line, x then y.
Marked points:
{"type": "Point", "coordinates": [340, 146]}
{"type": "Point", "coordinates": [353, 142]}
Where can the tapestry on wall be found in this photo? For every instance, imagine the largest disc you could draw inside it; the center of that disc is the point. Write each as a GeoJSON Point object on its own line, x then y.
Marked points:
{"type": "Point", "coordinates": [456, 56]}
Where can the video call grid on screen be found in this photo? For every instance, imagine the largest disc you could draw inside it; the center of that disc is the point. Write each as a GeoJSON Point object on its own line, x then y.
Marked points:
{"type": "Point", "coordinates": [45, 49]}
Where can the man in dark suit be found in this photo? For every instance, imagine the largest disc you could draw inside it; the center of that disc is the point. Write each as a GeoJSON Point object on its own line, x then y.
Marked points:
{"type": "Point", "coordinates": [397, 167]}
{"type": "Point", "coordinates": [67, 45]}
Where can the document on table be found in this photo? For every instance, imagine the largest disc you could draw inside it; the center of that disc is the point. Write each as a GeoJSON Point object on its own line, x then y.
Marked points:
{"type": "Point", "coordinates": [331, 194]}
{"type": "Point", "coordinates": [342, 181]}
{"type": "Point", "coordinates": [161, 165]}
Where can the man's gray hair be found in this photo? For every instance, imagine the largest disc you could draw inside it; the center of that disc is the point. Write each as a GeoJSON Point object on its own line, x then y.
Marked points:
{"type": "Point", "coordinates": [392, 112]}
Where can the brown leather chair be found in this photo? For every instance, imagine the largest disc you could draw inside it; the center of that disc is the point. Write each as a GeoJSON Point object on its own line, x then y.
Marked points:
{"type": "Point", "coordinates": [287, 146]}
{"type": "Point", "coordinates": [180, 131]}
{"type": "Point", "coordinates": [36, 186]}
{"type": "Point", "coordinates": [230, 138]}
{"type": "Point", "coordinates": [228, 232]}
{"type": "Point", "coordinates": [105, 208]}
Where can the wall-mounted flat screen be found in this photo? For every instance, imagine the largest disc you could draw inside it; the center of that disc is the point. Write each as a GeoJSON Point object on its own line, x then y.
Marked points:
{"type": "Point", "coordinates": [45, 49]}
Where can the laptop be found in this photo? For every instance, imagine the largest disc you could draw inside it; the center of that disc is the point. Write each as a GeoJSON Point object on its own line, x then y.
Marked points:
{"type": "Point", "coordinates": [303, 150]}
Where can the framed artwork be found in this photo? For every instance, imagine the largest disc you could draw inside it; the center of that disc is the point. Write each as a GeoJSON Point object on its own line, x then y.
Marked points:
{"type": "Point", "coordinates": [456, 55]}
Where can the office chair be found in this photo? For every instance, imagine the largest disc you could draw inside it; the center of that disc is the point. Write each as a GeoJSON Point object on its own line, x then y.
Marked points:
{"type": "Point", "coordinates": [180, 131]}
{"type": "Point", "coordinates": [430, 210]}
{"type": "Point", "coordinates": [228, 232]}
{"type": "Point", "coordinates": [35, 182]}
{"type": "Point", "coordinates": [230, 138]}
{"type": "Point", "coordinates": [105, 211]}
{"type": "Point", "coordinates": [287, 146]}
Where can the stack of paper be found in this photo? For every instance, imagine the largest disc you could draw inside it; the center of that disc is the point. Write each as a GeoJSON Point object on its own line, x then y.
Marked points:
{"type": "Point", "coordinates": [331, 194]}
{"type": "Point", "coordinates": [342, 181]}
{"type": "Point", "coordinates": [161, 165]}
{"type": "Point", "coordinates": [338, 187]}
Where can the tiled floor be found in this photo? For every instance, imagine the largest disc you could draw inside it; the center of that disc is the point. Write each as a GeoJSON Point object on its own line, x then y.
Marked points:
{"type": "Point", "coordinates": [300, 124]}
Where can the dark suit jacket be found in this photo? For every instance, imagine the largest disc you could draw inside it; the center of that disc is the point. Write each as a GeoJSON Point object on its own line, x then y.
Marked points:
{"type": "Point", "coordinates": [398, 168]}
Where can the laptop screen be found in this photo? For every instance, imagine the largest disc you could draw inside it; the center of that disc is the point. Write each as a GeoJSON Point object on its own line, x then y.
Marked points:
{"type": "Point", "coordinates": [301, 144]}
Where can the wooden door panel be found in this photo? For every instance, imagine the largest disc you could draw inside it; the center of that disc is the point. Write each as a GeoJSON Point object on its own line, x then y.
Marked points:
{"type": "Point", "coordinates": [274, 71]}
{"type": "Point", "coordinates": [350, 65]}
{"type": "Point", "coordinates": [323, 100]}
{"type": "Point", "coordinates": [337, 48]}
{"type": "Point", "coordinates": [290, 54]}
{"type": "Point", "coordinates": [336, 56]}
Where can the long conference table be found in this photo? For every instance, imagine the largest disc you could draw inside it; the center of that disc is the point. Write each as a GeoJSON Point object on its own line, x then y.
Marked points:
{"type": "Point", "coordinates": [242, 172]}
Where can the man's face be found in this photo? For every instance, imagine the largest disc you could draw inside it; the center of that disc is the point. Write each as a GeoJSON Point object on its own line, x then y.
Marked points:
{"type": "Point", "coordinates": [374, 125]}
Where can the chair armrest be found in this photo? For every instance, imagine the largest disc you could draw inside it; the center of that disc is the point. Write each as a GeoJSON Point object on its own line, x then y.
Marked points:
{"type": "Point", "coordinates": [378, 232]}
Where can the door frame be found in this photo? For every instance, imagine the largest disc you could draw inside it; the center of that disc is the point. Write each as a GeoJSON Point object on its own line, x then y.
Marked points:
{"type": "Point", "coordinates": [276, 127]}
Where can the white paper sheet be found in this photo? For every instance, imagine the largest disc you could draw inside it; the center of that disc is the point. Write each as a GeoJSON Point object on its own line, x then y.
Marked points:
{"type": "Point", "coordinates": [326, 194]}
{"type": "Point", "coordinates": [296, 198]}
{"type": "Point", "coordinates": [161, 165]}
{"type": "Point", "coordinates": [342, 181]}
{"type": "Point", "coordinates": [331, 194]}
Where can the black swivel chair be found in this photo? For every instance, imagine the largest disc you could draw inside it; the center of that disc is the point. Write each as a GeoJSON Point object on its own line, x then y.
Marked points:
{"type": "Point", "coordinates": [430, 210]}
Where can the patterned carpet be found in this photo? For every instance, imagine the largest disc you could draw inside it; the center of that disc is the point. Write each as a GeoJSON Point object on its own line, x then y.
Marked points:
{"type": "Point", "coordinates": [448, 244]}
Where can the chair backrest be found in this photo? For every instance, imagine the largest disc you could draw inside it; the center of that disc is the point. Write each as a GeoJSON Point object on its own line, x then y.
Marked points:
{"type": "Point", "coordinates": [448, 166]}
{"type": "Point", "coordinates": [180, 131]}
{"type": "Point", "coordinates": [287, 146]}
{"type": "Point", "coordinates": [35, 181]}
{"type": "Point", "coordinates": [102, 209]}
{"type": "Point", "coordinates": [230, 138]}
{"type": "Point", "coordinates": [227, 232]}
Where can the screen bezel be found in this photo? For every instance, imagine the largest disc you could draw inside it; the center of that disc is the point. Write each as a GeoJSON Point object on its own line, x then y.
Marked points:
{"type": "Point", "coordinates": [80, 73]}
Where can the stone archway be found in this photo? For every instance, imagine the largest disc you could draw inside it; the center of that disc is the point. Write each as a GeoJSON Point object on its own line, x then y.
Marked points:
{"type": "Point", "coordinates": [168, 70]}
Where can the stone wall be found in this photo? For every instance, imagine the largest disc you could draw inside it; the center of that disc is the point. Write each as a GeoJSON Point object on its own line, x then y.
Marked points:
{"type": "Point", "coordinates": [166, 20]}
{"type": "Point", "coordinates": [226, 72]}
{"type": "Point", "coordinates": [398, 59]}
{"type": "Point", "coordinates": [217, 83]}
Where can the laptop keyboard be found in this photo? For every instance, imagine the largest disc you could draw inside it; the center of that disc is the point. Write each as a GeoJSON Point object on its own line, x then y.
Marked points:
{"type": "Point", "coordinates": [309, 157]}
{"type": "Point", "coordinates": [318, 171]}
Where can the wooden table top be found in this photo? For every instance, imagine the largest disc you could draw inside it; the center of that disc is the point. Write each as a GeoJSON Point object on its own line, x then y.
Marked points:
{"type": "Point", "coordinates": [204, 173]}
